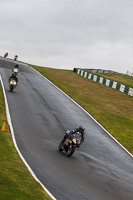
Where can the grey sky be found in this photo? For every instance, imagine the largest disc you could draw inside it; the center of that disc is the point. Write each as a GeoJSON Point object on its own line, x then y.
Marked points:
{"type": "Point", "coordinates": [69, 33]}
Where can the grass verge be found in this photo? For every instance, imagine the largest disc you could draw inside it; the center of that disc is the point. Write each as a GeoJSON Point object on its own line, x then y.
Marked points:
{"type": "Point", "coordinates": [111, 108]}
{"type": "Point", "coordinates": [16, 182]}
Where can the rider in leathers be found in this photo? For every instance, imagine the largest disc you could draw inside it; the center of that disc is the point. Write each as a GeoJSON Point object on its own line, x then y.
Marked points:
{"type": "Point", "coordinates": [13, 77]}
{"type": "Point", "coordinates": [15, 70]}
{"type": "Point", "coordinates": [81, 130]}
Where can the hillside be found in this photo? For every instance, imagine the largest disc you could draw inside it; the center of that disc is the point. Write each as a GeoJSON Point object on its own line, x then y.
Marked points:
{"type": "Point", "coordinates": [111, 108]}
{"type": "Point", "coordinates": [123, 79]}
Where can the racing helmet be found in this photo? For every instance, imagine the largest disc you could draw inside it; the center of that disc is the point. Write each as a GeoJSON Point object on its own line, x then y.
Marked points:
{"type": "Point", "coordinates": [14, 74]}
{"type": "Point", "coordinates": [16, 66]}
{"type": "Point", "coordinates": [81, 129]}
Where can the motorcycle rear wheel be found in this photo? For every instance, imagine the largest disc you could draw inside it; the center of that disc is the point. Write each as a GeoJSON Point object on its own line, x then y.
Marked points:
{"type": "Point", "coordinates": [60, 146]}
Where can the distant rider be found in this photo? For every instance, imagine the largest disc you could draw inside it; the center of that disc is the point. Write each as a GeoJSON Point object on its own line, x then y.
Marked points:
{"type": "Point", "coordinates": [15, 57]}
{"type": "Point", "coordinates": [6, 54]}
{"type": "Point", "coordinates": [15, 70]}
{"type": "Point", "coordinates": [81, 130]}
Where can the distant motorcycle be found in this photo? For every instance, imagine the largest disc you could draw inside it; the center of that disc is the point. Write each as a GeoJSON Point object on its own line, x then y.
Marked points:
{"type": "Point", "coordinates": [70, 144]}
{"type": "Point", "coordinates": [5, 55]}
{"type": "Point", "coordinates": [15, 57]}
{"type": "Point", "coordinates": [12, 85]}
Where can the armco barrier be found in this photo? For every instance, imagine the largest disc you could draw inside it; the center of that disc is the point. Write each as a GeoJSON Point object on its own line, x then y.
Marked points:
{"type": "Point", "coordinates": [113, 84]}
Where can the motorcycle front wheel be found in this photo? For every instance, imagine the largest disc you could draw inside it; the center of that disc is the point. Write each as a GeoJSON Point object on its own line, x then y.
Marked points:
{"type": "Point", "coordinates": [11, 88]}
{"type": "Point", "coordinates": [70, 150]}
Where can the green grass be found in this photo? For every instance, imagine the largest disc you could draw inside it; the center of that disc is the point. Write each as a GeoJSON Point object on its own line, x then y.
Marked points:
{"type": "Point", "coordinates": [111, 108]}
{"type": "Point", "coordinates": [16, 183]}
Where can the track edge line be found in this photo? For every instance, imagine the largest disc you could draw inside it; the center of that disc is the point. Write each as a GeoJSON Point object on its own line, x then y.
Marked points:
{"type": "Point", "coordinates": [15, 144]}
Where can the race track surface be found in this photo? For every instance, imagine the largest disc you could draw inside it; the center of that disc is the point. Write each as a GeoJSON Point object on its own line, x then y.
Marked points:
{"type": "Point", "coordinates": [99, 170]}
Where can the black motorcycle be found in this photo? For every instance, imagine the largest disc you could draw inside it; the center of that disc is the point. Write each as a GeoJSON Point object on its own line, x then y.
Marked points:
{"type": "Point", "coordinates": [5, 55]}
{"type": "Point", "coordinates": [70, 143]}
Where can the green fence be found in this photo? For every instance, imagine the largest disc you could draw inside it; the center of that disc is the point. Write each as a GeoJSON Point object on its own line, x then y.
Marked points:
{"type": "Point", "coordinates": [113, 84]}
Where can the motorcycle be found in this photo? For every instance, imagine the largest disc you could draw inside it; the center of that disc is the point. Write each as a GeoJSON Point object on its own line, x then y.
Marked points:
{"type": "Point", "coordinates": [15, 57]}
{"type": "Point", "coordinates": [12, 85]}
{"type": "Point", "coordinates": [5, 55]}
{"type": "Point", "coordinates": [70, 143]}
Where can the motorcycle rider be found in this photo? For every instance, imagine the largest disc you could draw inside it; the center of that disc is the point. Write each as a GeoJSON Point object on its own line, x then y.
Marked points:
{"type": "Point", "coordinates": [15, 57]}
{"type": "Point", "coordinates": [15, 70]}
{"type": "Point", "coordinates": [13, 77]}
{"type": "Point", "coordinates": [81, 130]}
{"type": "Point", "coordinates": [6, 54]}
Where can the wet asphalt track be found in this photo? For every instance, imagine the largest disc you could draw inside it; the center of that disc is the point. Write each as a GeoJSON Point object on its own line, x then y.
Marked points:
{"type": "Point", "coordinates": [40, 113]}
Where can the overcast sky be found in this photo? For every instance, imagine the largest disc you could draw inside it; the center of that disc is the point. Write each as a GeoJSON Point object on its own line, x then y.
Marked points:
{"type": "Point", "coordinates": [69, 33]}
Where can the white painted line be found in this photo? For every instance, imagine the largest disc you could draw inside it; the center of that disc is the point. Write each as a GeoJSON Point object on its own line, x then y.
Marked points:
{"type": "Point", "coordinates": [15, 144]}
{"type": "Point", "coordinates": [86, 113]}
